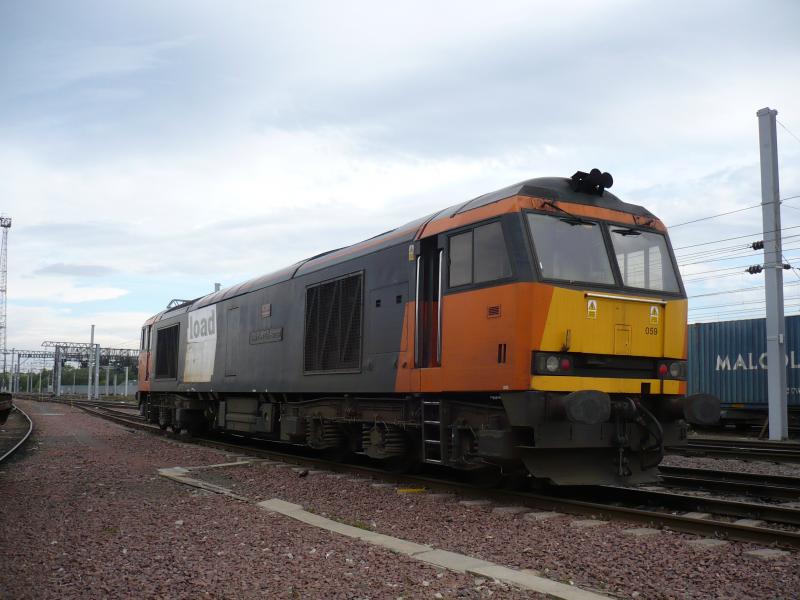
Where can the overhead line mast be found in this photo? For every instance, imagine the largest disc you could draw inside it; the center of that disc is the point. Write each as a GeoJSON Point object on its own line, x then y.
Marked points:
{"type": "Point", "coordinates": [5, 224]}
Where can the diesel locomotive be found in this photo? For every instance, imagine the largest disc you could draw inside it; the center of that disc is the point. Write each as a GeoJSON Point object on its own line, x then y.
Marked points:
{"type": "Point", "coordinates": [539, 329]}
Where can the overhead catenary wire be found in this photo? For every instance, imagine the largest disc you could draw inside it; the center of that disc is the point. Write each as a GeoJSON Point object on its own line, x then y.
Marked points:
{"type": "Point", "coordinates": [788, 130]}
{"type": "Point", "coordinates": [728, 304]}
{"type": "Point", "coordinates": [743, 310]}
{"type": "Point", "coordinates": [747, 249]}
{"type": "Point", "coordinates": [714, 317]}
{"type": "Point", "coordinates": [712, 271]}
{"type": "Point", "coordinates": [730, 212]}
{"type": "Point", "coordinates": [748, 261]}
{"type": "Point", "coordinates": [748, 306]}
{"type": "Point", "coordinates": [736, 237]}
{"type": "Point", "coordinates": [735, 256]}
{"type": "Point", "coordinates": [738, 290]}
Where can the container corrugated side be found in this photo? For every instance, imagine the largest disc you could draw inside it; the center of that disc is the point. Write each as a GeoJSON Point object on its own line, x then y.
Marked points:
{"type": "Point", "coordinates": [728, 359]}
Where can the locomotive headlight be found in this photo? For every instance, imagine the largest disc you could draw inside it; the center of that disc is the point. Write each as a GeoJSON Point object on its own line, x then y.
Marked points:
{"type": "Point", "coordinates": [545, 363]}
{"type": "Point", "coordinates": [672, 370]}
{"type": "Point", "coordinates": [677, 370]}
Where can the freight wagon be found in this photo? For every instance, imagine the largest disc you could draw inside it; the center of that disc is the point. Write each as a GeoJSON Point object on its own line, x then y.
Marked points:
{"type": "Point", "coordinates": [729, 360]}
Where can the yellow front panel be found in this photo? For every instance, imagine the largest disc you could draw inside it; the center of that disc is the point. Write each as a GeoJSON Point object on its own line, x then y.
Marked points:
{"type": "Point", "coordinates": [596, 323]}
{"type": "Point", "coordinates": [610, 385]}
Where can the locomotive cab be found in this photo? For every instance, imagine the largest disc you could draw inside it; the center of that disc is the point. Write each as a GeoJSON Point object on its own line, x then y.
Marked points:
{"type": "Point", "coordinates": [608, 358]}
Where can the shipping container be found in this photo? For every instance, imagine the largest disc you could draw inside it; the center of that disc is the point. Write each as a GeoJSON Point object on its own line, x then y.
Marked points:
{"type": "Point", "coordinates": [729, 359]}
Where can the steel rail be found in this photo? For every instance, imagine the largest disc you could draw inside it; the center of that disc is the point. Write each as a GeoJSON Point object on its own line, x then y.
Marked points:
{"type": "Point", "coordinates": [731, 451]}
{"type": "Point", "coordinates": [24, 438]}
{"type": "Point", "coordinates": [751, 484]}
{"type": "Point", "coordinates": [745, 443]}
{"type": "Point", "coordinates": [685, 502]}
{"type": "Point", "coordinates": [541, 501]}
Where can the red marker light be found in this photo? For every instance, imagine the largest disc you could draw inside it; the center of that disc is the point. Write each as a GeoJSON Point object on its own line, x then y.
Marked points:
{"type": "Point", "coordinates": [662, 370]}
{"type": "Point", "coordinates": [565, 364]}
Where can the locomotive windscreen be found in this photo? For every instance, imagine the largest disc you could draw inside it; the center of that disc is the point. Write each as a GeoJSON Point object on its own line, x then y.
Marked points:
{"type": "Point", "coordinates": [570, 249]}
{"type": "Point", "coordinates": [574, 249]}
{"type": "Point", "coordinates": [643, 259]}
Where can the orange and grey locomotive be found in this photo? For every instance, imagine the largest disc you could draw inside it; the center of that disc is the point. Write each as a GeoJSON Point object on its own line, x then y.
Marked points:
{"type": "Point", "coordinates": [540, 328]}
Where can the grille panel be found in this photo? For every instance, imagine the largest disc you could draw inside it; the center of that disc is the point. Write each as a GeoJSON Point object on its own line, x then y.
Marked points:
{"type": "Point", "coordinates": [333, 325]}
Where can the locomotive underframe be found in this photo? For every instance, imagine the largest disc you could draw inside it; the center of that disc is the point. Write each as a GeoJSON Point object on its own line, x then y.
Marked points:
{"type": "Point", "coordinates": [510, 431]}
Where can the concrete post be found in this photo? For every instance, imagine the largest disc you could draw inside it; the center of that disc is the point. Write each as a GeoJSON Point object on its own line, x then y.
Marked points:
{"type": "Point", "coordinates": [97, 371]}
{"type": "Point", "coordinates": [57, 372]}
{"type": "Point", "coordinates": [126, 382]}
{"type": "Point", "coordinates": [773, 275]}
{"type": "Point", "coordinates": [89, 372]}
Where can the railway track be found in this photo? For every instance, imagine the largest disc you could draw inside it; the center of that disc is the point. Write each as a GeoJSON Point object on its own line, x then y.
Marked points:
{"type": "Point", "coordinates": [16, 431]}
{"type": "Point", "coordinates": [785, 452]}
{"type": "Point", "coordinates": [654, 508]}
{"type": "Point", "coordinates": [773, 487]}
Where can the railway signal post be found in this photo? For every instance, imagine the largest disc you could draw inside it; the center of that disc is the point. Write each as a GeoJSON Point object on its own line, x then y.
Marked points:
{"type": "Point", "coordinates": [773, 275]}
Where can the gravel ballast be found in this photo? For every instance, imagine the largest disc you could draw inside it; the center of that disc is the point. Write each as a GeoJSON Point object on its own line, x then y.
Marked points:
{"type": "Point", "coordinates": [604, 557]}
{"type": "Point", "coordinates": [758, 467]}
{"type": "Point", "coordinates": [85, 515]}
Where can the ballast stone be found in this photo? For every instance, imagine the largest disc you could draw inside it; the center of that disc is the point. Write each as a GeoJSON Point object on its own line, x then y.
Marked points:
{"type": "Point", "coordinates": [475, 503]}
{"type": "Point", "coordinates": [641, 531]}
{"type": "Point", "coordinates": [705, 543]}
{"type": "Point", "coordinates": [588, 523]}
{"type": "Point", "coordinates": [541, 515]}
{"type": "Point", "coordinates": [749, 522]}
{"type": "Point", "coordinates": [767, 553]}
{"type": "Point", "coordinates": [697, 515]}
{"type": "Point", "coordinates": [509, 510]}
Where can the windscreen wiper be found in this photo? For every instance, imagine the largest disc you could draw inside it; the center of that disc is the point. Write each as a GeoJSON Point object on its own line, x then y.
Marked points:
{"type": "Point", "coordinates": [570, 218]}
{"type": "Point", "coordinates": [627, 231]}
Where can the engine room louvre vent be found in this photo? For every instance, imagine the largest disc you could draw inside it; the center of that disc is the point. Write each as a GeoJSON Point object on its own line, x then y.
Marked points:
{"type": "Point", "coordinates": [167, 352]}
{"type": "Point", "coordinates": [334, 312]}
{"type": "Point", "coordinates": [493, 311]}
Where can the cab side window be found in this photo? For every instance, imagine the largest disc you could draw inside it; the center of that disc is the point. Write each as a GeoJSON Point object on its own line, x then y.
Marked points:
{"type": "Point", "coordinates": [491, 257]}
{"type": "Point", "coordinates": [461, 259]}
{"type": "Point", "coordinates": [478, 256]}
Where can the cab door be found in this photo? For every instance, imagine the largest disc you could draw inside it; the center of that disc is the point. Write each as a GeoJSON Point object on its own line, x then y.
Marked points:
{"type": "Point", "coordinates": [144, 358]}
{"type": "Point", "coordinates": [428, 307]}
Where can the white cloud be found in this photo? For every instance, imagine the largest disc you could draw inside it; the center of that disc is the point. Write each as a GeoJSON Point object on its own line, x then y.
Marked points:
{"type": "Point", "coordinates": [31, 325]}
{"type": "Point", "coordinates": [251, 204]}
{"type": "Point", "coordinates": [61, 290]}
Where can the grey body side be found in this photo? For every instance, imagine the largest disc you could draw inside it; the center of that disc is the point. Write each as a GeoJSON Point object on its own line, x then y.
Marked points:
{"type": "Point", "coordinates": [277, 366]}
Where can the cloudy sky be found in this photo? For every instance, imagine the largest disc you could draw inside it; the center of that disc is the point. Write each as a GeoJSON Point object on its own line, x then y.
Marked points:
{"type": "Point", "coordinates": [150, 149]}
